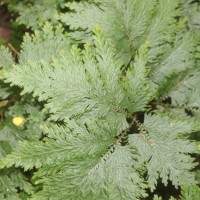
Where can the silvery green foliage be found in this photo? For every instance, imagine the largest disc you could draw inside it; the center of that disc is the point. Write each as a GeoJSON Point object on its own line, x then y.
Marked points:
{"type": "Point", "coordinates": [190, 192]}
{"type": "Point", "coordinates": [111, 133]}
{"type": "Point", "coordinates": [12, 180]}
{"type": "Point", "coordinates": [34, 13]}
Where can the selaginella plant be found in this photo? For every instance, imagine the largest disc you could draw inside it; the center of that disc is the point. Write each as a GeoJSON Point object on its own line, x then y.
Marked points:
{"type": "Point", "coordinates": [111, 105]}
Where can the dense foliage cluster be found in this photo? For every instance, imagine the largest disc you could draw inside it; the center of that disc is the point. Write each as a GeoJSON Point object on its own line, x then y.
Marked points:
{"type": "Point", "coordinates": [102, 102]}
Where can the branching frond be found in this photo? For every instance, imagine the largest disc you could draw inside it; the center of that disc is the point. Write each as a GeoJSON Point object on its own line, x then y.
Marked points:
{"type": "Point", "coordinates": [164, 150]}
{"type": "Point", "coordinates": [190, 192]}
{"type": "Point", "coordinates": [34, 13]}
{"type": "Point", "coordinates": [43, 45]}
{"type": "Point", "coordinates": [11, 180]}
{"type": "Point", "coordinates": [109, 101]}
{"type": "Point", "coordinates": [96, 171]}
{"type": "Point", "coordinates": [90, 88]}
{"type": "Point", "coordinates": [128, 24]}
{"type": "Point", "coordinates": [6, 59]}
{"type": "Point", "coordinates": [108, 178]}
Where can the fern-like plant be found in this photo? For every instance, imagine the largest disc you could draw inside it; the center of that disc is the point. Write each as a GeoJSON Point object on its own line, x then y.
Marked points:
{"type": "Point", "coordinates": [119, 94]}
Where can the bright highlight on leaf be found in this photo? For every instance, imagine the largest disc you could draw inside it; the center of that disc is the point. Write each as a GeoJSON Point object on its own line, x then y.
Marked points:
{"type": "Point", "coordinates": [18, 121]}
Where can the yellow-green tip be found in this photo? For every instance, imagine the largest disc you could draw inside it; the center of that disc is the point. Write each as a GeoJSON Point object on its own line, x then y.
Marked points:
{"type": "Point", "coordinates": [97, 28]}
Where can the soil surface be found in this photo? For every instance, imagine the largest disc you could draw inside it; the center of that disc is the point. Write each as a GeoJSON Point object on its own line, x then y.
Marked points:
{"type": "Point", "coordinates": [5, 32]}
